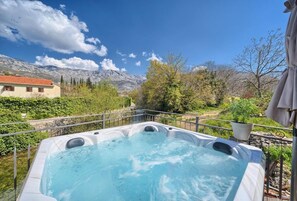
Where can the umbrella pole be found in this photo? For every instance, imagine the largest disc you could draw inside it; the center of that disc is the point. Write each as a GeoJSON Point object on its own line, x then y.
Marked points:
{"type": "Point", "coordinates": [293, 196]}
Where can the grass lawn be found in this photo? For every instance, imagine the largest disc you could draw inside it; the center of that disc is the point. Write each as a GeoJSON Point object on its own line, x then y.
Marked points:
{"type": "Point", "coordinates": [6, 173]}
{"type": "Point", "coordinates": [207, 110]}
{"type": "Point", "coordinates": [255, 120]}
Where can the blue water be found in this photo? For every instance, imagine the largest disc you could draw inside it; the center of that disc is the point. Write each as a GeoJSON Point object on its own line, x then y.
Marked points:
{"type": "Point", "coordinates": [144, 167]}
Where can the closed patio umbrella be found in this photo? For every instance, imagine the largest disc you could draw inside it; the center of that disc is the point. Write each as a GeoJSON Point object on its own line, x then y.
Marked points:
{"type": "Point", "coordinates": [283, 105]}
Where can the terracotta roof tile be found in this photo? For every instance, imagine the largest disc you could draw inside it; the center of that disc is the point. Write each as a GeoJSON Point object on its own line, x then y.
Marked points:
{"type": "Point", "coordinates": [25, 81]}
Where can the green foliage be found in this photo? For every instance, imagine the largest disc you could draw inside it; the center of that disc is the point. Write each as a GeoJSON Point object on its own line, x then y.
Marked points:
{"type": "Point", "coordinates": [263, 102]}
{"type": "Point", "coordinates": [275, 152]}
{"type": "Point", "coordinates": [226, 115]}
{"type": "Point", "coordinates": [216, 132]}
{"type": "Point", "coordinates": [83, 100]}
{"type": "Point", "coordinates": [170, 88]}
{"type": "Point", "coordinates": [200, 106]}
{"type": "Point", "coordinates": [162, 90]}
{"type": "Point", "coordinates": [101, 97]}
{"type": "Point", "coordinates": [197, 90]}
{"type": "Point", "coordinates": [89, 82]}
{"type": "Point", "coordinates": [218, 87]}
{"type": "Point", "coordinates": [6, 173]}
{"type": "Point", "coordinates": [37, 108]}
{"type": "Point", "coordinates": [21, 141]}
{"type": "Point", "coordinates": [166, 119]}
{"type": "Point", "coordinates": [127, 101]}
{"type": "Point", "coordinates": [242, 110]}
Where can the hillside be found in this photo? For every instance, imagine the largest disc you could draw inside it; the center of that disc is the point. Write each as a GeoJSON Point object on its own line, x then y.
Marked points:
{"type": "Point", "coordinates": [124, 81]}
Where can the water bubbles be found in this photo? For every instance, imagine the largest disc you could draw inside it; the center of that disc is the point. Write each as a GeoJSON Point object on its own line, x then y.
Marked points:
{"type": "Point", "coordinates": [143, 167]}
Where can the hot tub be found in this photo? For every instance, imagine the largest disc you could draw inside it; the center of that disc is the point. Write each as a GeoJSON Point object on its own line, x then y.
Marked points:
{"type": "Point", "coordinates": [145, 161]}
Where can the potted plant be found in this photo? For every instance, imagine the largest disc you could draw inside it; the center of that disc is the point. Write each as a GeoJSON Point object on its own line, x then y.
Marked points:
{"type": "Point", "coordinates": [241, 111]}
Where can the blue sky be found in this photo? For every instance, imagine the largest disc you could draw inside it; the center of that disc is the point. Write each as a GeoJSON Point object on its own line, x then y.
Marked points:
{"type": "Point", "coordinates": [127, 34]}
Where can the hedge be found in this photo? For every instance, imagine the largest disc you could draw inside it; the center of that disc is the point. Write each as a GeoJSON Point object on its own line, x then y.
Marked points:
{"type": "Point", "coordinates": [39, 108]}
{"type": "Point", "coordinates": [21, 141]}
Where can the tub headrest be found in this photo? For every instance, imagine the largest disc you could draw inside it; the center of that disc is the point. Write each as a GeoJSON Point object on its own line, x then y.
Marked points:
{"type": "Point", "coordinates": [75, 142]}
{"type": "Point", "coordinates": [222, 147]}
{"type": "Point", "coordinates": [150, 129]}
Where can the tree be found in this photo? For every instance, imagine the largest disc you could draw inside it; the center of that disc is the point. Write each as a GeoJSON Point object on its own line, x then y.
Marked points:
{"type": "Point", "coordinates": [262, 61]}
{"type": "Point", "coordinates": [89, 82]}
{"type": "Point", "coordinates": [81, 81]}
{"type": "Point", "coordinates": [62, 80]}
{"type": "Point", "coordinates": [62, 84]}
{"type": "Point", "coordinates": [227, 81]}
{"type": "Point", "coordinates": [196, 89]}
{"type": "Point", "coordinates": [218, 87]}
{"type": "Point", "coordinates": [162, 90]}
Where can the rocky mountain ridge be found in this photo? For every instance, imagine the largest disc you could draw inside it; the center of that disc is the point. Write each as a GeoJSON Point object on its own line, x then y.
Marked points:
{"type": "Point", "coordinates": [123, 80]}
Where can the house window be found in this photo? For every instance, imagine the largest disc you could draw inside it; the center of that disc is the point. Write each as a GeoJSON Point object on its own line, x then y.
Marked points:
{"type": "Point", "coordinates": [41, 90]}
{"type": "Point", "coordinates": [29, 89]}
{"type": "Point", "coordinates": [8, 88]}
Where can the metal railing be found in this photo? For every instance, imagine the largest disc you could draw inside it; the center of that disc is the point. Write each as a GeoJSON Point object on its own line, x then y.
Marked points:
{"type": "Point", "coordinates": [20, 158]}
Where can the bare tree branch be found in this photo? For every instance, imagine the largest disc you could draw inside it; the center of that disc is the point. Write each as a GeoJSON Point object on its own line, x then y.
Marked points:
{"type": "Point", "coordinates": [263, 58]}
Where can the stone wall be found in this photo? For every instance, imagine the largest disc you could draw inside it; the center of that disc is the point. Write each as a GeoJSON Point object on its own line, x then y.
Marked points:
{"type": "Point", "coordinates": [265, 140]}
{"type": "Point", "coordinates": [260, 139]}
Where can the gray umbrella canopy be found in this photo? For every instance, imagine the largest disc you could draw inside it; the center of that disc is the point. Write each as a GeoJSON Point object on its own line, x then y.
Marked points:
{"type": "Point", "coordinates": [283, 105]}
{"type": "Point", "coordinates": [284, 101]}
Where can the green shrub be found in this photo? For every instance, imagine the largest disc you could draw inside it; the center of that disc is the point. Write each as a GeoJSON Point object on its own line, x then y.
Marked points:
{"type": "Point", "coordinates": [21, 141]}
{"type": "Point", "coordinates": [275, 152]}
{"type": "Point", "coordinates": [263, 102]}
{"type": "Point", "coordinates": [242, 110]}
{"type": "Point", "coordinates": [100, 98]}
{"type": "Point", "coordinates": [40, 108]}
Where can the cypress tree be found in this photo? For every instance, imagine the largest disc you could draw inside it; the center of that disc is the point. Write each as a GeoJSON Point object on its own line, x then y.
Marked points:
{"type": "Point", "coordinates": [62, 79]}
{"type": "Point", "coordinates": [89, 82]}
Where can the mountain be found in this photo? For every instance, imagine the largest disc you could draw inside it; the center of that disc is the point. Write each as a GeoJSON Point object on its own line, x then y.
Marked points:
{"type": "Point", "coordinates": [123, 81]}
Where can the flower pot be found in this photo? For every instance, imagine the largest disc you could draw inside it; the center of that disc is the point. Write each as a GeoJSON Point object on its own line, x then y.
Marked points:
{"type": "Point", "coordinates": [241, 131]}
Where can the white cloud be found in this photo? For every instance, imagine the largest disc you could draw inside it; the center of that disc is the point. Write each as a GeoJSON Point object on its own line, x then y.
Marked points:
{"type": "Point", "coordinates": [121, 54]}
{"type": "Point", "coordinates": [124, 60]}
{"type": "Point", "coordinates": [123, 70]}
{"type": "Point", "coordinates": [62, 6]}
{"type": "Point", "coordinates": [199, 68]}
{"type": "Point", "coordinates": [144, 54]}
{"type": "Point", "coordinates": [154, 57]}
{"type": "Point", "coordinates": [132, 55]}
{"type": "Point", "coordinates": [93, 40]}
{"type": "Point", "coordinates": [138, 63]}
{"type": "Point", "coordinates": [102, 52]}
{"type": "Point", "coordinates": [38, 23]}
{"type": "Point", "coordinates": [107, 64]}
{"type": "Point", "coordinates": [73, 63]}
